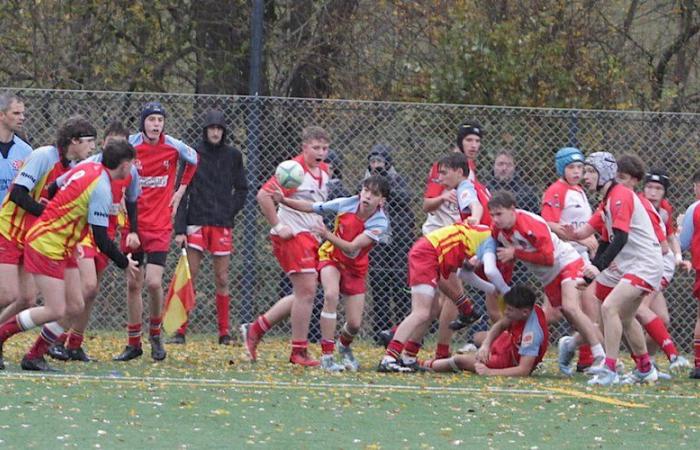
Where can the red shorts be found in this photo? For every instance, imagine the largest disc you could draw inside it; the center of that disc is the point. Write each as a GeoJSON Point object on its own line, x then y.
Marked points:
{"type": "Point", "coordinates": [296, 255]}
{"type": "Point", "coordinates": [602, 291]}
{"type": "Point", "coordinates": [90, 252]}
{"type": "Point", "coordinates": [151, 241]}
{"type": "Point", "coordinates": [10, 252]}
{"type": "Point", "coordinates": [35, 262]}
{"type": "Point", "coordinates": [696, 286]}
{"type": "Point", "coordinates": [423, 266]}
{"type": "Point", "coordinates": [503, 353]}
{"type": "Point", "coordinates": [350, 283]}
{"type": "Point", "coordinates": [216, 240]}
{"type": "Point", "coordinates": [571, 271]}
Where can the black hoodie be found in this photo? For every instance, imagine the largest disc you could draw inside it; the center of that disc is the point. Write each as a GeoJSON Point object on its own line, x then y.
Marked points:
{"type": "Point", "coordinates": [219, 187]}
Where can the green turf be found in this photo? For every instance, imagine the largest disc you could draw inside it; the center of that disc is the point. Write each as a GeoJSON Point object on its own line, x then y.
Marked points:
{"type": "Point", "coordinates": [197, 399]}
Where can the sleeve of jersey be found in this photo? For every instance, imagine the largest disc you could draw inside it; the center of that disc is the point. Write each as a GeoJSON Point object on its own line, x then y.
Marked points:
{"type": "Point", "coordinates": [688, 228]}
{"type": "Point", "coordinates": [36, 166]}
{"type": "Point", "coordinates": [532, 338]}
{"type": "Point", "coordinates": [100, 202]}
{"type": "Point", "coordinates": [596, 220]}
{"type": "Point", "coordinates": [377, 227]}
{"type": "Point", "coordinates": [551, 207]}
{"type": "Point", "coordinates": [133, 190]}
{"type": "Point", "coordinates": [189, 156]}
{"type": "Point", "coordinates": [334, 206]}
{"type": "Point", "coordinates": [271, 184]}
{"type": "Point", "coordinates": [621, 209]}
{"type": "Point", "coordinates": [540, 237]}
{"type": "Point", "coordinates": [433, 189]}
{"type": "Point", "coordinates": [466, 195]}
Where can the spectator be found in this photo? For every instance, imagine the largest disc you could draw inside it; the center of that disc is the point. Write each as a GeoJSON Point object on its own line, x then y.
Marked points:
{"type": "Point", "coordinates": [391, 300]}
{"type": "Point", "coordinates": [505, 178]}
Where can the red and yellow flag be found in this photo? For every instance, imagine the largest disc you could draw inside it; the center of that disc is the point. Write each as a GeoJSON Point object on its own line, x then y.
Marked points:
{"type": "Point", "coordinates": [180, 299]}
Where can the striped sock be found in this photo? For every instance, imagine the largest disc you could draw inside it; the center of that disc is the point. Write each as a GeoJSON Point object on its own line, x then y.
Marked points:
{"type": "Point", "coordinates": [300, 347]}
{"type": "Point", "coordinates": [133, 331]}
{"type": "Point", "coordinates": [154, 328]}
{"type": "Point", "coordinates": [259, 327]}
{"type": "Point", "coordinates": [394, 349]}
{"type": "Point", "coordinates": [327, 346]}
{"type": "Point", "coordinates": [696, 347]}
{"type": "Point", "coordinates": [49, 333]}
{"type": "Point", "coordinates": [75, 340]}
{"type": "Point", "coordinates": [442, 351]}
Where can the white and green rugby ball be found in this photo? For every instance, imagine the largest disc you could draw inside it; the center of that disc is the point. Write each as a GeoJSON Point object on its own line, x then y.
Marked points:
{"type": "Point", "coordinates": [289, 174]}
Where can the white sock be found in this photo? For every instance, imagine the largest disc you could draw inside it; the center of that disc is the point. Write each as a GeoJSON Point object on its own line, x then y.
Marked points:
{"type": "Point", "coordinates": [598, 351]}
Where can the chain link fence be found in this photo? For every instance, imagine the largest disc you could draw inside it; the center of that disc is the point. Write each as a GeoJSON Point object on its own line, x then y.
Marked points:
{"type": "Point", "coordinates": [267, 130]}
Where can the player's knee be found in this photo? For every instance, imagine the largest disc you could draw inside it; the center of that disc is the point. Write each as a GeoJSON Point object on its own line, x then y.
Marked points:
{"type": "Point", "coordinates": [353, 326]}
{"type": "Point", "coordinates": [221, 282]}
{"type": "Point", "coordinates": [570, 309]}
{"type": "Point", "coordinates": [608, 308]}
{"type": "Point", "coordinates": [154, 284]}
{"type": "Point", "coordinates": [331, 297]}
{"type": "Point", "coordinates": [422, 315]}
{"type": "Point", "coordinates": [8, 296]}
{"type": "Point", "coordinates": [74, 308]}
{"type": "Point", "coordinates": [90, 290]}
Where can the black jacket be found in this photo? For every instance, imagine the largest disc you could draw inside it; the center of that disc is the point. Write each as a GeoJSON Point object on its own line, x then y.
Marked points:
{"type": "Point", "coordinates": [219, 187]}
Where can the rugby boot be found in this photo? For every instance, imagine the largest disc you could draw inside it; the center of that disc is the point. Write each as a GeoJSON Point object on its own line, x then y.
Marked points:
{"type": "Point", "coordinates": [303, 359]}
{"type": "Point", "coordinates": [566, 355]}
{"type": "Point", "coordinates": [637, 377]}
{"type": "Point", "coordinates": [328, 364]}
{"type": "Point", "coordinates": [225, 339]}
{"type": "Point", "coordinates": [604, 377]}
{"type": "Point", "coordinates": [348, 359]}
{"type": "Point", "coordinates": [250, 342]}
{"type": "Point", "coordinates": [178, 339]}
{"type": "Point", "coordinates": [36, 364]}
{"type": "Point", "coordinates": [59, 352]}
{"type": "Point", "coordinates": [463, 321]}
{"type": "Point", "coordinates": [391, 365]}
{"type": "Point", "coordinates": [158, 352]}
{"type": "Point", "coordinates": [130, 352]}
{"type": "Point", "coordinates": [694, 374]}
{"type": "Point", "coordinates": [78, 354]}
{"type": "Point", "coordinates": [678, 364]}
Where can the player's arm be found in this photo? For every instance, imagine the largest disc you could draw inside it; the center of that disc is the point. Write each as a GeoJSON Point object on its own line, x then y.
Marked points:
{"type": "Point", "coordinates": [541, 239]}
{"type": "Point", "coordinates": [299, 205]}
{"type": "Point", "coordinates": [688, 227]}
{"type": "Point", "coordinates": [20, 195]}
{"type": "Point", "coordinates": [351, 247]}
{"type": "Point", "coordinates": [435, 194]}
{"type": "Point", "coordinates": [482, 355]}
{"type": "Point", "coordinates": [523, 369]}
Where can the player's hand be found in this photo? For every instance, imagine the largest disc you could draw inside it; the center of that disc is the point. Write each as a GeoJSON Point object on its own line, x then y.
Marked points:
{"type": "Point", "coordinates": [181, 240]}
{"type": "Point", "coordinates": [277, 196]}
{"type": "Point", "coordinates": [133, 267]}
{"type": "Point", "coordinates": [686, 265]}
{"type": "Point", "coordinates": [591, 271]}
{"type": "Point", "coordinates": [449, 196]}
{"type": "Point", "coordinates": [483, 354]}
{"type": "Point", "coordinates": [481, 369]}
{"type": "Point", "coordinates": [569, 232]}
{"type": "Point", "coordinates": [581, 285]}
{"type": "Point", "coordinates": [505, 254]}
{"type": "Point", "coordinates": [471, 220]}
{"type": "Point", "coordinates": [133, 241]}
{"type": "Point", "coordinates": [321, 231]}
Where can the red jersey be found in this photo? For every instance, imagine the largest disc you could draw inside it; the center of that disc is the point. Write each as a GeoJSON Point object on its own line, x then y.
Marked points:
{"type": "Point", "coordinates": [157, 169]}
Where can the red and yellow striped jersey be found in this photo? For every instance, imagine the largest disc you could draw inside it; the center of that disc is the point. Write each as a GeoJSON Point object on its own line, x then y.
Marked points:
{"type": "Point", "coordinates": [456, 243]}
{"type": "Point", "coordinates": [84, 199]}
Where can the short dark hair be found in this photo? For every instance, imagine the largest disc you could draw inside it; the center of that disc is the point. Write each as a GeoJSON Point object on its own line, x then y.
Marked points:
{"type": "Point", "coordinates": [632, 165]}
{"type": "Point", "coordinates": [116, 152]}
{"type": "Point", "coordinates": [504, 152]}
{"type": "Point", "coordinates": [520, 296]}
{"type": "Point", "coordinates": [501, 199]}
{"type": "Point", "coordinates": [696, 176]}
{"type": "Point", "coordinates": [115, 127]}
{"type": "Point", "coordinates": [455, 161]}
{"type": "Point", "coordinates": [378, 183]}
{"type": "Point", "coordinates": [314, 132]}
{"type": "Point", "coordinates": [74, 127]}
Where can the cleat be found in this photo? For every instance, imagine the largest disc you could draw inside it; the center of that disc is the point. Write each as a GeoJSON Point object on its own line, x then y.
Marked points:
{"type": "Point", "coordinates": [463, 321]}
{"type": "Point", "coordinates": [414, 364]}
{"type": "Point", "coordinates": [566, 355]}
{"type": "Point", "coordinates": [178, 339]}
{"type": "Point", "coordinates": [36, 364]}
{"type": "Point", "coordinates": [329, 365]}
{"type": "Point", "coordinates": [303, 359]}
{"type": "Point", "coordinates": [637, 377]}
{"type": "Point", "coordinates": [225, 339]}
{"type": "Point", "coordinates": [582, 368]}
{"type": "Point", "coordinates": [2, 361]}
{"type": "Point", "coordinates": [78, 354]}
{"type": "Point", "coordinates": [158, 352]}
{"type": "Point", "coordinates": [468, 348]}
{"type": "Point", "coordinates": [694, 374]}
{"type": "Point", "coordinates": [605, 377]}
{"type": "Point", "coordinates": [250, 342]}
{"type": "Point", "coordinates": [348, 359]}
{"type": "Point", "coordinates": [678, 364]}
{"type": "Point", "coordinates": [59, 352]}
{"type": "Point", "coordinates": [130, 352]}
{"type": "Point", "coordinates": [391, 365]}
{"type": "Point", "coordinates": [384, 337]}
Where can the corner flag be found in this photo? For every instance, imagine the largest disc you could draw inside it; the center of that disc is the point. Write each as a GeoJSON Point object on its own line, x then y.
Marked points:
{"type": "Point", "coordinates": [180, 299]}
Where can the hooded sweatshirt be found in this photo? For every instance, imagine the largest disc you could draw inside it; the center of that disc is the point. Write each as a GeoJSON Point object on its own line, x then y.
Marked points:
{"type": "Point", "coordinates": [219, 187]}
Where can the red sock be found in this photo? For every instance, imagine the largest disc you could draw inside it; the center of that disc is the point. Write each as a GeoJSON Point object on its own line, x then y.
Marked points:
{"type": "Point", "coordinates": [394, 349]}
{"type": "Point", "coordinates": [63, 338]}
{"type": "Point", "coordinates": [222, 305]}
{"type": "Point", "coordinates": [259, 327]}
{"type": "Point", "coordinates": [299, 346]}
{"type": "Point", "coordinates": [643, 362]}
{"type": "Point", "coordinates": [154, 328]}
{"type": "Point", "coordinates": [134, 332]}
{"type": "Point", "coordinates": [696, 347]}
{"type": "Point", "coordinates": [75, 340]}
{"type": "Point", "coordinates": [464, 305]}
{"type": "Point", "coordinates": [183, 328]}
{"type": "Point", "coordinates": [10, 328]}
{"type": "Point", "coordinates": [345, 339]}
{"type": "Point", "coordinates": [45, 340]}
{"type": "Point", "coordinates": [393, 329]}
{"type": "Point", "coordinates": [327, 346]}
{"type": "Point", "coordinates": [658, 332]}
{"type": "Point", "coordinates": [610, 363]}
{"type": "Point", "coordinates": [585, 356]}
{"type": "Point", "coordinates": [442, 351]}
{"type": "Point", "coordinates": [412, 348]}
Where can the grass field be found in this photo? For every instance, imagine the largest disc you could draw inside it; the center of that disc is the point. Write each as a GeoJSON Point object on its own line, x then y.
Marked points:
{"type": "Point", "coordinates": [197, 398]}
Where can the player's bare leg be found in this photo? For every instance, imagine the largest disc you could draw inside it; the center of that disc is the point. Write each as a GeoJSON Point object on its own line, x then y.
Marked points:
{"type": "Point", "coordinates": [25, 298]}
{"type": "Point", "coordinates": [330, 280]}
{"type": "Point", "coordinates": [455, 364]}
{"type": "Point", "coordinates": [154, 286]}
{"type": "Point", "coordinates": [354, 307]}
{"type": "Point", "coordinates": [695, 373]}
{"type": "Point", "coordinates": [134, 314]}
{"type": "Point", "coordinates": [448, 313]}
{"type": "Point", "coordinates": [657, 330]}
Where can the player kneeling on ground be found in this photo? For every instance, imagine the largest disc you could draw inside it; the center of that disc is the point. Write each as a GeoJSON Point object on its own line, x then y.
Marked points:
{"type": "Point", "coordinates": [513, 346]}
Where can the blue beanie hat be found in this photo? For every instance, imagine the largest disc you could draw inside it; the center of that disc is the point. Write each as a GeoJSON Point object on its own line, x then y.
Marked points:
{"type": "Point", "coordinates": [151, 108]}
{"type": "Point", "coordinates": [566, 156]}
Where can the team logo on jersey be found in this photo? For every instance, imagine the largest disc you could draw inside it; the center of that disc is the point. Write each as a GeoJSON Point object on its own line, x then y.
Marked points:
{"type": "Point", "coordinates": [166, 164]}
{"type": "Point", "coordinates": [17, 164]}
{"type": "Point", "coordinates": [528, 338]}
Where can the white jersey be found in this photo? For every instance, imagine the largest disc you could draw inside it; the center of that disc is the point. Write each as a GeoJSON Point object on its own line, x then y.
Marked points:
{"type": "Point", "coordinates": [447, 213]}
{"type": "Point", "coordinates": [566, 204]}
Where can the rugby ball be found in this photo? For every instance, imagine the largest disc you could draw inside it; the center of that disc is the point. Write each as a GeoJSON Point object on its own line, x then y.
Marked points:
{"type": "Point", "coordinates": [289, 174]}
